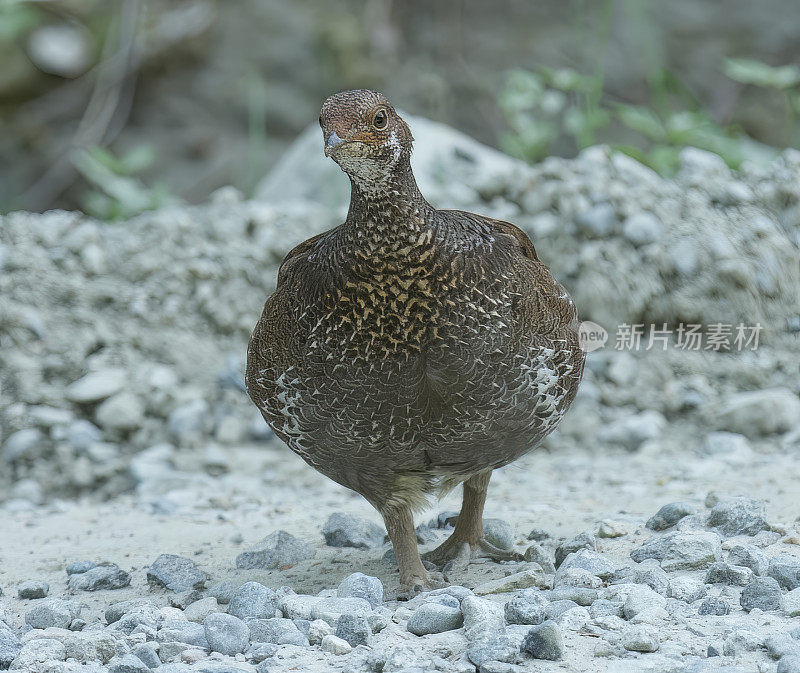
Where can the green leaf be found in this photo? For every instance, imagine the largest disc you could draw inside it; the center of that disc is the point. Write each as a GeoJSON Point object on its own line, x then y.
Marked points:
{"type": "Point", "coordinates": [642, 121]}
{"type": "Point", "coordinates": [750, 71]}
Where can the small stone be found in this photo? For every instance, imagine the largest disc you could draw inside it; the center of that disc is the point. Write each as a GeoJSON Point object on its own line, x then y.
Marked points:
{"type": "Point", "coordinates": [355, 629]}
{"type": "Point", "coordinates": [147, 655]}
{"type": "Point", "coordinates": [533, 576]}
{"type": "Point", "coordinates": [31, 589]}
{"type": "Point", "coordinates": [253, 601]}
{"type": "Point", "coordinates": [97, 386]}
{"type": "Point", "coordinates": [81, 434]}
{"type": "Point", "coordinates": [258, 652]}
{"type": "Point", "coordinates": [763, 593]}
{"type": "Point", "coordinates": [605, 608]}
{"type": "Point", "coordinates": [226, 634]}
{"type": "Point", "coordinates": [359, 585]}
{"type": "Point", "coordinates": [633, 431]}
{"type": "Point", "coordinates": [538, 535]}
{"type": "Point", "coordinates": [789, 664]}
{"type": "Point", "coordinates": [649, 572]}
{"type": "Point", "coordinates": [482, 618]}
{"type": "Point", "coordinates": [681, 550]}
{"type": "Point", "coordinates": [434, 618]}
{"type": "Point", "coordinates": [609, 530]}
{"type": "Point", "coordinates": [791, 603]}
{"type": "Point", "coordinates": [589, 560]}
{"type": "Point", "coordinates": [749, 556]}
{"type": "Point", "coordinates": [199, 610]}
{"type": "Point", "coordinates": [785, 569]}
{"type": "Point", "coordinates": [54, 612]}
{"type": "Point", "coordinates": [598, 221]}
{"type": "Point", "coordinates": [721, 572]}
{"type": "Point", "coordinates": [544, 642]}
{"type": "Point", "coordinates": [127, 663]}
{"type": "Point", "coordinates": [713, 606]}
{"type": "Point", "coordinates": [781, 645]}
{"type": "Point", "coordinates": [176, 573]}
{"type": "Point", "coordinates": [497, 647]}
{"type": "Point", "coordinates": [499, 533]}
{"type": "Point", "coordinates": [278, 550]}
{"type": "Point", "coordinates": [223, 591]}
{"type": "Point", "coordinates": [535, 553]}
{"type": "Point", "coordinates": [335, 645]}
{"type": "Point", "coordinates": [641, 598]}
{"type": "Point", "coordinates": [317, 630]}
{"type": "Point", "coordinates": [101, 577]}
{"type": "Point", "coordinates": [78, 567]}
{"type": "Point", "coordinates": [556, 609]}
{"type": "Point", "coordinates": [21, 443]}
{"type": "Point", "coordinates": [757, 413]}
{"type": "Point", "coordinates": [584, 540]}
{"type": "Point", "coordinates": [122, 412]}
{"type": "Point", "coordinates": [687, 589]}
{"type": "Point", "coordinates": [39, 656]}
{"type": "Point", "coordinates": [181, 631]}
{"type": "Point", "coordinates": [669, 515]}
{"type": "Point", "coordinates": [346, 530]}
{"type": "Point", "coordinates": [738, 516]}
{"type": "Point", "coordinates": [640, 638]}
{"type": "Point", "coordinates": [642, 228]}
{"type": "Point", "coordinates": [9, 648]}
{"type": "Point", "coordinates": [276, 630]}
{"type": "Point", "coordinates": [332, 609]}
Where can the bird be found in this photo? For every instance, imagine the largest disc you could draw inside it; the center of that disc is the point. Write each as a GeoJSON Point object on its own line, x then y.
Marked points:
{"type": "Point", "coordinates": [411, 349]}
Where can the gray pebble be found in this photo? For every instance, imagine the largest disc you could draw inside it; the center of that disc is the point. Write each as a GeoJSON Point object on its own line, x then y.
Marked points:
{"type": "Point", "coordinates": [223, 591]}
{"type": "Point", "coordinates": [359, 585]}
{"type": "Point", "coordinates": [681, 550]}
{"type": "Point", "coordinates": [579, 595]}
{"type": "Point", "coordinates": [9, 648]}
{"type": "Point", "coordinates": [355, 629]}
{"type": "Point", "coordinates": [785, 569]}
{"type": "Point", "coordinates": [749, 556]}
{"type": "Point", "coordinates": [278, 550]}
{"type": "Point", "coordinates": [276, 630]}
{"type": "Point", "coordinates": [22, 443]}
{"type": "Point", "coordinates": [642, 228]}
{"type": "Point", "coordinates": [726, 573]}
{"type": "Point", "coordinates": [589, 560]}
{"type": "Point", "coordinates": [253, 601]}
{"type": "Point", "coordinates": [498, 647]}
{"type": "Point", "coordinates": [499, 533]}
{"type": "Point", "coordinates": [537, 554]}
{"type": "Point", "coordinates": [584, 540]}
{"type": "Point", "coordinates": [54, 612]}
{"type": "Point", "coordinates": [649, 572]}
{"type": "Point", "coordinates": [789, 664]}
{"type": "Point", "coordinates": [782, 645]}
{"type": "Point", "coordinates": [538, 535]}
{"type": "Point", "coordinates": [331, 609]}
{"type": "Point", "coordinates": [555, 609]}
{"type": "Point", "coordinates": [182, 631]}
{"type": "Point", "coordinates": [147, 655]}
{"type": "Point", "coordinates": [738, 516]}
{"type": "Point", "coordinates": [434, 617]}
{"type": "Point", "coordinates": [763, 593]}
{"type": "Point", "coordinates": [544, 642]}
{"type": "Point", "coordinates": [527, 607]}
{"type": "Point", "coordinates": [669, 515]}
{"type": "Point", "coordinates": [78, 567]}
{"type": "Point", "coordinates": [176, 573]}
{"type": "Point", "coordinates": [33, 589]}
{"type": "Point", "coordinates": [713, 606]}
{"type": "Point", "coordinates": [598, 221]}
{"type": "Point", "coordinates": [603, 607]}
{"type": "Point", "coordinates": [640, 638]}
{"type": "Point", "coordinates": [226, 634]}
{"type": "Point", "coordinates": [97, 386]}
{"type": "Point", "coordinates": [346, 530]}
{"type": "Point", "coordinates": [81, 434]}
{"type": "Point", "coordinates": [127, 663]}
{"type": "Point", "coordinates": [101, 577]}
{"type": "Point", "coordinates": [258, 652]}
{"type": "Point", "coordinates": [687, 589]}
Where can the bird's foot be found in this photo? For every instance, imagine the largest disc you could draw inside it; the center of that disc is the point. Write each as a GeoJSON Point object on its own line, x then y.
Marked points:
{"type": "Point", "coordinates": [457, 554]}
{"type": "Point", "coordinates": [418, 585]}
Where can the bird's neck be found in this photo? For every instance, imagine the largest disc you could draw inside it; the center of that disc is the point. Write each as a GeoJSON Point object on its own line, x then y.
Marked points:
{"type": "Point", "coordinates": [389, 206]}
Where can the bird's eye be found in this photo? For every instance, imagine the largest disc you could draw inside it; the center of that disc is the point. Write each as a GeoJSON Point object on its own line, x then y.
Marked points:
{"type": "Point", "coordinates": [380, 119]}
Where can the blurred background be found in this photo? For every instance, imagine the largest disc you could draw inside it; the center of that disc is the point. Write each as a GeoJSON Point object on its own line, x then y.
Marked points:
{"type": "Point", "coordinates": [117, 107]}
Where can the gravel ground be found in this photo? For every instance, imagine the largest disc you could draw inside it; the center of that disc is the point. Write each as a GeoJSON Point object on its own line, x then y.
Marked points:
{"type": "Point", "coordinates": [659, 524]}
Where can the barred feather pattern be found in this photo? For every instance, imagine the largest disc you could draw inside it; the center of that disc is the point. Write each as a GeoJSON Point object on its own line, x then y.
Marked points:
{"type": "Point", "coordinates": [410, 348]}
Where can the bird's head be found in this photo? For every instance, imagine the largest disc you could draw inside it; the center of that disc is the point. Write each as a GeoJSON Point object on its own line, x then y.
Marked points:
{"type": "Point", "coordinates": [364, 134]}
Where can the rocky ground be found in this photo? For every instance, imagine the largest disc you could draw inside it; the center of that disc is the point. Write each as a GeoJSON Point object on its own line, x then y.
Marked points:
{"type": "Point", "coordinates": [141, 500]}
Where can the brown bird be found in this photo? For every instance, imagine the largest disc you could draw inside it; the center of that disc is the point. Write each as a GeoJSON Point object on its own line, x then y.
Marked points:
{"type": "Point", "coordinates": [411, 349]}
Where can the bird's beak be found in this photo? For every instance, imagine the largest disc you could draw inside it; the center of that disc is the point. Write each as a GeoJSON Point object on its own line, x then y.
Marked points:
{"type": "Point", "coordinates": [332, 142]}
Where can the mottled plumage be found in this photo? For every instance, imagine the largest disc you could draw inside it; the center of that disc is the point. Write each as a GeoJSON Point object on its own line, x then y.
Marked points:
{"type": "Point", "coordinates": [410, 349]}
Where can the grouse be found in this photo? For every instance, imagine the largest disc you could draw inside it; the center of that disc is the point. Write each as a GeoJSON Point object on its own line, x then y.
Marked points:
{"type": "Point", "coordinates": [411, 349]}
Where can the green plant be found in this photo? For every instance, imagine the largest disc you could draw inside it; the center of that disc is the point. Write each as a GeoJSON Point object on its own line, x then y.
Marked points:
{"type": "Point", "coordinates": [116, 192]}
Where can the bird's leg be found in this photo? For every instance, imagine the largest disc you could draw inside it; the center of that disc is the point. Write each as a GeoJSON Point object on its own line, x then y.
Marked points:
{"type": "Point", "coordinates": [400, 526]}
{"type": "Point", "coordinates": [467, 541]}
